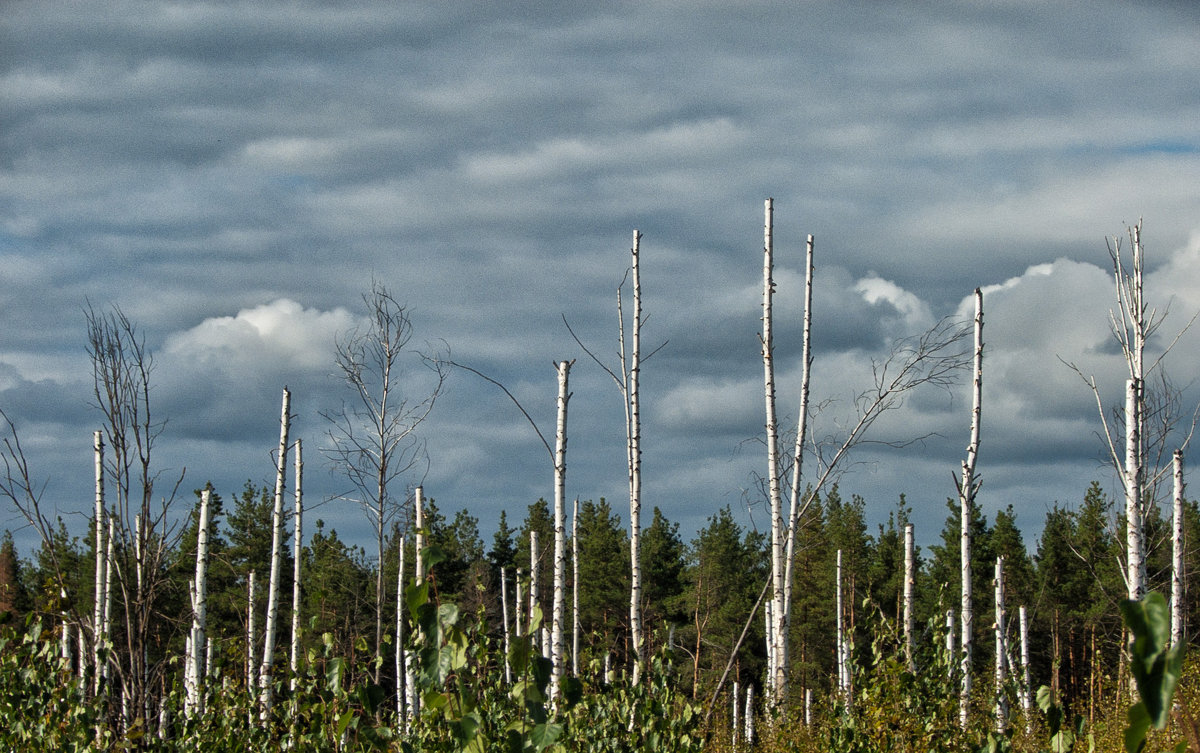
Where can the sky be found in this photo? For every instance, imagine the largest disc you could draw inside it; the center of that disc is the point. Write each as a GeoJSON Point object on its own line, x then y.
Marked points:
{"type": "Point", "coordinates": [233, 177]}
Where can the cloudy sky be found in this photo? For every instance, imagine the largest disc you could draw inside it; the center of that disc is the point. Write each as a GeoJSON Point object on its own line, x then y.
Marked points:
{"type": "Point", "coordinates": [233, 176]}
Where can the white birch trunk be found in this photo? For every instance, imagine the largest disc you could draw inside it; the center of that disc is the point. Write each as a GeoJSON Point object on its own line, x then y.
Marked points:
{"type": "Point", "coordinates": [1135, 537]}
{"type": "Point", "coordinates": [400, 654]}
{"type": "Point", "coordinates": [518, 602]}
{"type": "Point", "coordinates": [1001, 652]}
{"type": "Point", "coordinates": [966, 496]}
{"type": "Point", "coordinates": [951, 645]}
{"type": "Point", "coordinates": [633, 434]}
{"type": "Point", "coordinates": [784, 644]}
{"type": "Point", "coordinates": [839, 636]}
{"type": "Point", "coordinates": [1177, 626]}
{"type": "Point", "coordinates": [267, 694]}
{"type": "Point", "coordinates": [251, 637]}
{"type": "Point", "coordinates": [109, 566]}
{"type": "Point", "coordinates": [98, 612]}
{"type": "Point", "coordinates": [534, 569]}
{"type": "Point", "coordinates": [1026, 691]}
{"type": "Point", "coordinates": [504, 620]}
{"type": "Point", "coordinates": [297, 543]}
{"type": "Point", "coordinates": [909, 585]}
{"type": "Point", "coordinates": [574, 592]}
{"type": "Point", "coordinates": [193, 704]}
{"type": "Point", "coordinates": [749, 716]}
{"type": "Point", "coordinates": [419, 501]}
{"type": "Point", "coordinates": [775, 629]}
{"type": "Point", "coordinates": [557, 640]}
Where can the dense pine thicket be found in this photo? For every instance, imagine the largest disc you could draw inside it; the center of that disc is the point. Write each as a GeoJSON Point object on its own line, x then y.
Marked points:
{"type": "Point", "coordinates": [698, 593]}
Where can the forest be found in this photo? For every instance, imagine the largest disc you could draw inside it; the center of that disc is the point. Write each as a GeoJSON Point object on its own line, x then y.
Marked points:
{"type": "Point", "coordinates": [218, 619]}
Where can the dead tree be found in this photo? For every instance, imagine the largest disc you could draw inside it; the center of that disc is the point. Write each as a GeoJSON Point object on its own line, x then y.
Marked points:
{"type": "Point", "coordinates": [373, 437]}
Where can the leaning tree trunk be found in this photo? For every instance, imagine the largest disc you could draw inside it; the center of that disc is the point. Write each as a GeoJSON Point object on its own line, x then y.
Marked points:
{"type": "Point", "coordinates": [195, 675]}
{"type": "Point", "coordinates": [267, 694]}
{"type": "Point", "coordinates": [557, 646]}
{"type": "Point", "coordinates": [966, 498]}
{"type": "Point", "coordinates": [796, 503]}
{"type": "Point", "coordinates": [774, 624]}
{"type": "Point", "coordinates": [297, 542]}
{"type": "Point", "coordinates": [1177, 627]}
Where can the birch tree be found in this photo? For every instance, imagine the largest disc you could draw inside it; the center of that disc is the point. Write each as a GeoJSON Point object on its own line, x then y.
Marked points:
{"type": "Point", "coordinates": [560, 558]}
{"type": "Point", "coordinates": [1177, 627]}
{"type": "Point", "coordinates": [194, 703]}
{"type": "Point", "coordinates": [101, 525]}
{"type": "Point", "coordinates": [775, 606]}
{"type": "Point", "coordinates": [372, 438]}
{"type": "Point", "coordinates": [265, 673]}
{"type": "Point", "coordinates": [297, 543]}
{"type": "Point", "coordinates": [967, 489]}
{"type": "Point", "coordinates": [627, 381]}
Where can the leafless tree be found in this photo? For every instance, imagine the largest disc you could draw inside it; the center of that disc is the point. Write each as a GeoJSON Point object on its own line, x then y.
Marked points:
{"type": "Point", "coordinates": [373, 436]}
{"type": "Point", "coordinates": [145, 533]}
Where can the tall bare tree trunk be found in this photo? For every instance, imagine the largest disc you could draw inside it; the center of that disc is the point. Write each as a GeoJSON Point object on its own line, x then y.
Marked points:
{"type": "Point", "coordinates": [966, 497]}
{"type": "Point", "coordinates": [504, 619]}
{"type": "Point", "coordinates": [251, 637]}
{"type": "Point", "coordinates": [840, 636]}
{"type": "Point", "coordinates": [557, 645]}
{"type": "Point", "coordinates": [400, 654]}
{"type": "Point", "coordinates": [775, 611]}
{"type": "Point", "coordinates": [518, 601]}
{"type": "Point", "coordinates": [1135, 535]}
{"type": "Point", "coordinates": [535, 557]}
{"type": "Point", "coordinates": [419, 502]}
{"type": "Point", "coordinates": [267, 690]}
{"type": "Point", "coordinates": [909, 585]}
{"type": "Point", "coordinates": [797, 505]}
{"type": "Point", "coordinates": [633, 430]}
{"type": "Point", "coordinates": [1001, 652]}
{"type": "Point", "coordinates": [194, 703]}
{"type": "Point", "coordinates": [297, 544]}
{"type": "Point", "coordinates": [109, 566]}
{"type": "Point", "coordinates": [1026, 691]}
{"type": "Point", "coordinates": [98, 636]}
{"type": "Point", "coordinates": [1177, 626]}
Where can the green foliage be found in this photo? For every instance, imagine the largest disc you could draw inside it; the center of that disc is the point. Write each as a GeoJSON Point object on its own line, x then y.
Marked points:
{"type": "Point", "coordinates": [1156, 667]}
{"type": "Point", "coordinates": [42, 703]}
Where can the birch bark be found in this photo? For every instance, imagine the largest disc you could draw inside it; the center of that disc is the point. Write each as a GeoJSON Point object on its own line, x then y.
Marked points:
{"type": "Point", "coordinates": [297, 543]}
{"type": "Point", "coordinates": [797, 506]}
{"type": "Point", "coordinates": [1001, 652]}
{"type": "Point", "coordinates": [194, 703]}
{"type": "Point", "coordinates": [1177, 626]}
{"type": "Point", "coordinates": [966, 496]}
{"type": "Point", "coordinates": [98, 636]}
{"type": "Point", "coordinates": [775, 627]}
{"type": "Point", "coordinates": [557, 646]}
{"type": "Point", "coordinates": [267, 694]}
{"type": "Point", "coordinates": [909, 585]}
